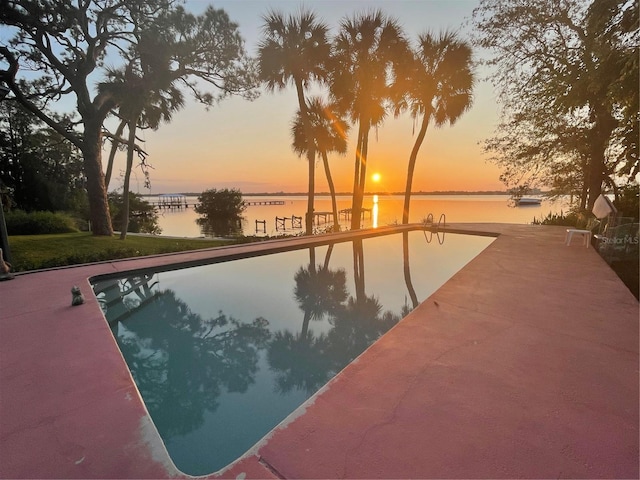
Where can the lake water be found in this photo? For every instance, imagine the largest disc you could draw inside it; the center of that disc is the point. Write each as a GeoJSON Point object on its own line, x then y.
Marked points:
{"type": "Point", "coordinates": [385, 210]}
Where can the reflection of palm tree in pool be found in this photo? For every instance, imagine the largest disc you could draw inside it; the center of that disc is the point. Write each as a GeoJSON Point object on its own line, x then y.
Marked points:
{"type": "Point", "coordinates": [319, 290]}
{"type": "Point", "coordinates": [359, 324]}
{"type": "Point", "coordinates": [300, 361]}
{"type": "Point", "coordinates": [327, 256]}
{"type": "Point", "coordinates": [407, 271]}
{"type": "Point", "coordinates": [181, 361]}
{"type": "Point", "coordinates": [358, 267]}
{"type": "Point", "coordinates": [305, 361]}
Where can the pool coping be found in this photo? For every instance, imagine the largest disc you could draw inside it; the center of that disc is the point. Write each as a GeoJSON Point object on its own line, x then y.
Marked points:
{"type": "Point", "coordinates": [527, 289]}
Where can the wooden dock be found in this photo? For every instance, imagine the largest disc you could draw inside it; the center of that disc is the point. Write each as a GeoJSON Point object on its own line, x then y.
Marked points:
{"type": "Point", "coordinates": [170, 201]}
{"type": "Point", "coordinates": [346, 212]}
{"type": "Point", "coordinates": [325, 216]}
{"type": "Point", "coordinates": [263, 202]}
{"type": "Point", "coordinates": [281, 222]}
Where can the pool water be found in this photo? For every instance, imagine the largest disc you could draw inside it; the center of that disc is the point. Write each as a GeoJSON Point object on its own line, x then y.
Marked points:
{"type": "Point", "coordinates": [222, 353]}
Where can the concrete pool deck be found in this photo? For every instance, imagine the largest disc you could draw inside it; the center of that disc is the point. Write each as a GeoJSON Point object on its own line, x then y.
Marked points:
{"type": "Point", "coordinates": [524, 364]}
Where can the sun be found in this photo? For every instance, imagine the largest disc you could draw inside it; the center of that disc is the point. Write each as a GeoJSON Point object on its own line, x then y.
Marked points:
{"type": "Point", "coordinates": [375, 177]}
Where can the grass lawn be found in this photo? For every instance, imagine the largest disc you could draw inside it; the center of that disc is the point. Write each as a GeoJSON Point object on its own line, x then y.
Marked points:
{"type": "Point", "coordinates": [32, 252]}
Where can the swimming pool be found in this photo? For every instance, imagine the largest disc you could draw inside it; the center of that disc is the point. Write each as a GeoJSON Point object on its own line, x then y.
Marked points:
{"type": "Point", "coordinates": [222, 353]}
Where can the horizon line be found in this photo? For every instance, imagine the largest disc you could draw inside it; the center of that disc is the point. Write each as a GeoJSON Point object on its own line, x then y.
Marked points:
{"type": "Point", "coordinates": [421, 192]}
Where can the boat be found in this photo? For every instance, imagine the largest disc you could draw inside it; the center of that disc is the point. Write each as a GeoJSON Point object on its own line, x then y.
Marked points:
{"type": "Point", "coordinates": [526, 201]}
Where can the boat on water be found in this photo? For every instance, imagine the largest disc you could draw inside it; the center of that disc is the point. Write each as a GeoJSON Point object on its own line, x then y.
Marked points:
{"type": "Point", "coordinates": [526, 201]}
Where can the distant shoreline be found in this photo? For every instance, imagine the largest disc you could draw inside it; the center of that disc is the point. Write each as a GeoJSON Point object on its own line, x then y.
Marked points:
{"type": "Point", "coordinates": [326, 194]}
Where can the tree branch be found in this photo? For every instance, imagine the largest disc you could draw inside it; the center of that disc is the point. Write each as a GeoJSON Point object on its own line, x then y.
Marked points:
{"type": "Point", "coordinates": [9, 77]}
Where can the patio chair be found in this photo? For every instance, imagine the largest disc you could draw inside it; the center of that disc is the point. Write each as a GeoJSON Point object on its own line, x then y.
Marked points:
{"type": "Point", "coordinates": [602, 208]}
{"type": "Point", "coordinates": [585, 234]}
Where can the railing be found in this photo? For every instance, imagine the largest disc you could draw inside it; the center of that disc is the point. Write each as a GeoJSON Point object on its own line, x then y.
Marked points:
{"type": "Point", "coordinates": [428, 222]}
{"type": "Point", "coordinates": [619, 240]}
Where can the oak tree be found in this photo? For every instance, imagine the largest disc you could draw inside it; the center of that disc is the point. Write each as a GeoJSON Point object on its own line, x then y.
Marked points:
{"type": "Point", "coordinates": [65, 47]}
{"type": "Point", "coordinates": [562, 70]}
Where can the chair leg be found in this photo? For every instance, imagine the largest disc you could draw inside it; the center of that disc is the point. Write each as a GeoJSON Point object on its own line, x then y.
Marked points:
{"type": "Point", "coordinates": [586, 237]}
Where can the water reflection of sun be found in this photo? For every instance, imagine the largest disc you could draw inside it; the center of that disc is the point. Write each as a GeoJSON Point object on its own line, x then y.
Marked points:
{"type": "Point", "coordinates": [375, 211]}
{"type": "Point", "coordinates": [376, 179]}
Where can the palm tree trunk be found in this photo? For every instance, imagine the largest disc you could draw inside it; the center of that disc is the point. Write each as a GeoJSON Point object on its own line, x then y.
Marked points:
{"type": "Point", "coordinates": [356, 176]}
{"type": "Point", "coordinates": [332, 191]}
{"type": "Point", "coordinates": [412, 165]}
{"type": "Point", "coordinates": [311, 154]}
{"type": "Point", "coordinates": [356, 207]}
{"type": "Point", "coordinates": [363, 167]}
{"type": "Point", "coordinates": [310, 198]}
{"type": "Point", "coordinates": [112, 154]}
{"type": "Point", "coordinates": [127, 176]}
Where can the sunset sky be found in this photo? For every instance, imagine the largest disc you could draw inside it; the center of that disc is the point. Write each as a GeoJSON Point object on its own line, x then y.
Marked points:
{"type": "Point", "coordinates": [247, 145]}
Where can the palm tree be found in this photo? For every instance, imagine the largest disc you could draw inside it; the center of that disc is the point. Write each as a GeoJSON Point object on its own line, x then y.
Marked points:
{"type": "Point", "coordinates": [115, 144]}
{"type": "Point", "coordinates": [440, 88]}
{"type": "Point", "coordinates": [319, 290]}
{"type": "Point", "coordinates": [367, 51]}
{"type": "Point", "coordinates": [329, 135]}
{"type": "Point", "coordinates": [147, 97]}
{"type": "Point", "coordinates": [295, 49]}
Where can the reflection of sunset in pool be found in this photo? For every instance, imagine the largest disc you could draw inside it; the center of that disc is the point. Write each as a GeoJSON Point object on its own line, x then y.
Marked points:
{"type": "Point", "coordinates": [374, 213]}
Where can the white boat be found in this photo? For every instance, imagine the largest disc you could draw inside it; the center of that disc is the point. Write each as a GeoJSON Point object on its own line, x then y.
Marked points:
{"type": "Point", "coordinates": [525, 201]}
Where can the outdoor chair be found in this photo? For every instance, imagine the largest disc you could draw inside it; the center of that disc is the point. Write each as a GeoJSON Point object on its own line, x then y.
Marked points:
{"type": "Point", "coordinates": [602, 208]}
{"type": "Point", "coordinates": [585, 233]}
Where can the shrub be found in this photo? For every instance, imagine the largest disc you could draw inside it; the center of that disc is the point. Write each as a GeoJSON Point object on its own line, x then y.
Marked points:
{"type": "Point", "coordinates": [627, 202]}
{"type": "Point", "coordinates": [20, 222]}
{"type": "Point", "coordinates": [570, 219]}
{"type": "Point", "coordinates": [143, 217]}
{"type": "Point", "coordinates": [220, 211]}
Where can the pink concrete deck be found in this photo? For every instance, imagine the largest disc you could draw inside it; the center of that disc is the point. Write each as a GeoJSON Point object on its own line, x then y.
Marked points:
{"type": "Point", "coordinates": [524, 364]}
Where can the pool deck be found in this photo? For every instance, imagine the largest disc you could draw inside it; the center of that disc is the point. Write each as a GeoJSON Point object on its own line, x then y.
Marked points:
{"type": "Point", "coordinates": [523, 365]}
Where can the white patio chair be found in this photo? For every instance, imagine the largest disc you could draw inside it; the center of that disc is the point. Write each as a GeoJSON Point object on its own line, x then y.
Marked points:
{"type": "Point", "coordinates": [601, 209]}
{"type": "Point", "coordinates": [585, 234]}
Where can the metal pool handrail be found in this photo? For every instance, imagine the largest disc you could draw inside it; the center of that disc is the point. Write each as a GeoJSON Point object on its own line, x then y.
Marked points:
{"type": "Point", "coordinates": [442, 221]}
